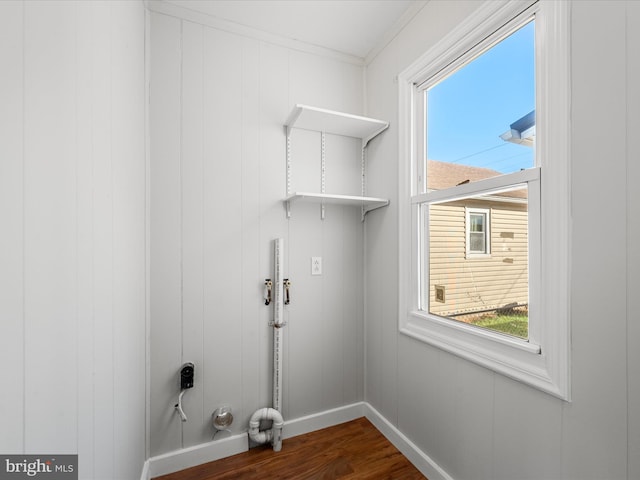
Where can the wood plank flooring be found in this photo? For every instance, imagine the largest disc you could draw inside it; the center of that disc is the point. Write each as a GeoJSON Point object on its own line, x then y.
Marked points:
{"type": "Point", "coordinates": [354, 450]}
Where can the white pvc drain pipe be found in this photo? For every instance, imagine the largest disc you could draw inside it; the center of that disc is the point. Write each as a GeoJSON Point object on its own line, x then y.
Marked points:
{"type": "Point", "coordinates": [274, 434]}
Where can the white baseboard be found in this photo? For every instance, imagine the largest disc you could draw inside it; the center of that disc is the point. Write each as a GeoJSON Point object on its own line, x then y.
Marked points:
{"type": "Point", "coordinates": [145, 471]}
{"type": "Point", "coordinates": [208, 452]}
{"type": "Point", "coordinates": [328, 418]}
{"type": "Point", "coordinates": [197, 455]}
{"type": "Point", "coordinates": [417, 457]}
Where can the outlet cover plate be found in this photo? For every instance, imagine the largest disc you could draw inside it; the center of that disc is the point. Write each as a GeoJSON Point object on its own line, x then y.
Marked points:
{"type": "Point", "coordinates": [316, 265]}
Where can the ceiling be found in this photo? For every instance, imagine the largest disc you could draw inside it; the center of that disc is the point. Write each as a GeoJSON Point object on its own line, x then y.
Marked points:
{"type": "Point", "coordinates": [353, 27]}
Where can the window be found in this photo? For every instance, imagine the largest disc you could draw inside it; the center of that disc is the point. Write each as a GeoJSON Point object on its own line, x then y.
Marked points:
{"type": "Point", "coordinates": [477, 232]}
{"type": "Point", "coordinates": [478, 135]}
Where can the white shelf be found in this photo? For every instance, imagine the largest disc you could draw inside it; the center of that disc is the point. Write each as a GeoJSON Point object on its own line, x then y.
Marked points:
{"type": "Point", "coordinates": [337, 123]}
{"type": "Point", "coordinates": [367, 203]}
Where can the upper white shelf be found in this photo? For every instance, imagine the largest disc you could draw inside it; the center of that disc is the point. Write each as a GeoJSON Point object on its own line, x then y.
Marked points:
{"type": "Point", "coordinates": [338, 123]}
{"type": "Point", "coordinates": [365, 203]}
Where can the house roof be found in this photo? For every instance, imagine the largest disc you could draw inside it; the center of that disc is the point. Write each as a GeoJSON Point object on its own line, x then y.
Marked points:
{"type": "Point", "coordinates": [441, 175]}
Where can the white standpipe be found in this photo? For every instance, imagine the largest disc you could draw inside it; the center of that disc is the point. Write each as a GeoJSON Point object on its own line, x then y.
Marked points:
{"type": "Point", "coordinates": [274, 434]}
{"type": "Point", "coordinates": [278, 323]}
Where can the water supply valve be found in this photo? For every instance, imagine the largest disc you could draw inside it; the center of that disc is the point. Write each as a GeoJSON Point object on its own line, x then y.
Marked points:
{"type": "Point", "coordinates": [186, 381]}
{"type": "Point", "coordinates": [186, 376]}
{"type": "Point", "coordinates": [287, 285]}
{"type": "Point", "coordinates": [268, 287]}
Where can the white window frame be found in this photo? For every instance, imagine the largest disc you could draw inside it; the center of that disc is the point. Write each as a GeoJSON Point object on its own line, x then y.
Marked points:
{"type": "Point", "coordinates": [486, 213]}
{"type": "Point", "coordinates": [544, 361]}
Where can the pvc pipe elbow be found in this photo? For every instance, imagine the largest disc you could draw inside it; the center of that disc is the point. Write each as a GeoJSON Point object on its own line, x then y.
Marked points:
{"type": "Point", "coordinates": [273, 434]}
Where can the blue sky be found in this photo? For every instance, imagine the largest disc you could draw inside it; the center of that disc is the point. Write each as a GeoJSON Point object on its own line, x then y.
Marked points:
{"type": "Point", "coordinates": [469, 110]}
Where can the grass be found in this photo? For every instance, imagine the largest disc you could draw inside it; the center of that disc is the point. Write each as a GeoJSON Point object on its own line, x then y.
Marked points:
{"type": "Point", "coordinates": [517, 325]}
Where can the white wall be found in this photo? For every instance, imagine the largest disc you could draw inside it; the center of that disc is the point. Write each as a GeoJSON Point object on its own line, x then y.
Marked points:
{"type": "Point", "coordinates": [472, 422]}
{"type": "Point", "coordinates": [218, 104]}
{"type": "Point", "coordinates": [72, 248]}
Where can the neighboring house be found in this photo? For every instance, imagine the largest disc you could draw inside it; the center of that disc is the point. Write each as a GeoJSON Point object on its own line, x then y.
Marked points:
{"type": "Point", "coordinates": [479, 246]}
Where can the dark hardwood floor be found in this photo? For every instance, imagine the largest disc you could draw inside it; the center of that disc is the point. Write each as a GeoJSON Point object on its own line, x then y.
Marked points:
{"type": "Point", "coordinates": [350, 451]}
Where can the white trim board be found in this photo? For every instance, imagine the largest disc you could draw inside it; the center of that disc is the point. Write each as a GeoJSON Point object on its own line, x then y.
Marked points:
{"type": "Point", "coordinates": [197, 455]}
{"type": "Point", "coordinates": [145, 471]}
{"type": "Point", "coordinates": [393, 32]}
{"type": "Point", "coordinates": [243, 30]}
{"type": "Point", "coordinates": [318, 421]}
{"type": "Point", "coordinates": [216, 450]}
{"type": "Point", "coordinates": [423, 462]}
{"type": "Point", "coordinates": [177, 11]}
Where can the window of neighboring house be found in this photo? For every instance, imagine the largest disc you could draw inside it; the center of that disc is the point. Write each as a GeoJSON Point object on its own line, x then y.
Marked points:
{"type": "Point", "coordinates": [477, 229]}
{"type": "Point", "coordinates": [477, 136]}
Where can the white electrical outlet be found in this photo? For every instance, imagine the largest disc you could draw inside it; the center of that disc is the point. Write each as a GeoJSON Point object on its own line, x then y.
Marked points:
{"type": "Point", "coordinates": [316, 265]}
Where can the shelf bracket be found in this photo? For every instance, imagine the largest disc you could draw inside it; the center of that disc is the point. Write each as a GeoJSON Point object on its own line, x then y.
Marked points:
{"type": "Point", "coordinates": [288, 168]}
{"type": "Point", "coordinates": [363, 187]}
{"type": "Point", "coordinates": [335, 123]}
{"type": "Point", "coordinates": [322, 172]}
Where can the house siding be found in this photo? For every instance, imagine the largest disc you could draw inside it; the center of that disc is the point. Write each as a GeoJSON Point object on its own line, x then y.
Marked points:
{"type": "Point", "coordinates": [478, 283]}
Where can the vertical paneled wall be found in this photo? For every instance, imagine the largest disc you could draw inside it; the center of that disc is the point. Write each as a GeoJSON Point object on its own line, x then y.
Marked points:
{"type": "Point", "coordinates": [477, 424]}
{"type": "Point", "coordinates": [218, 105]}
{"type": "Point", "coordinates": [632, 120]}
{"type": "Point", "coordinates": [72, 248]}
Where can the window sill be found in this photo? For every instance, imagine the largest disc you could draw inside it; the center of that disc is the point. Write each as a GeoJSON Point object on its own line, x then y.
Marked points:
{"type": "Point", "coordinates": [477, 256]}
{"type": "Point", "coordinates": [506, 355]}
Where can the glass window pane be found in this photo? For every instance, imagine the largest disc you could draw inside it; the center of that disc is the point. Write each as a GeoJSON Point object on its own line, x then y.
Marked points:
{"type": "Point", "coordinates": [477, 222]}
{"type": "Point", "coordinates": [481, 119]}
{"type": "Point", "coordinates": [486, 291]}
{"type": "Point", "coordinates": [477, 242]}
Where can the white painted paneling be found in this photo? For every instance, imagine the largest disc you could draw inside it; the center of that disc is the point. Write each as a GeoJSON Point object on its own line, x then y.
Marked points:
{"type": "Point", "coordinates": [523, 416]}
{"type": "Point", "coordinates": [274, 106]}
{"type": "Point", "coordinates": [373, 291]}
{"type": "Point", "coordinates": [50, 226]}
{"type": "Point", "coordinates": [102, 227]}
{"type": "Point", "coordinates": [236, 94]}
{"type": "Point", "coordinates": [596, 435]}
{"type": "Point", "coordinates": [343, 160]}
{"type": "Point", "coordinates": [307, 74]}
{"type": "Point", "coordinates": [474, 408]}
{"type": "Point", "coordinates": [331, 340]}
{"type": "Point", "coordinates": [192, 188]}
{"type": "Point", "coordinates": [129, 218]}
{"type": "Point", "coordinates": [86, 291]}
{"type": "Point", "coordinates": [353, 326]}
{"type": "Point", "coordinates": [343, 88]}
{"type": "Point", "coordinates": [223, 222]}
{"type": "Point", "coordinates": [306, 148]}
{"type": "Point", "coordinates": [380, 292]}
{"type": "Point", "coordinates": [73, 92]}
{"type": "Point", "coordinates": [307, 314]}
{"type": "Point", "coordinates": [595, 423]}
{"type": "Point", "coordinates": [633, 233]}
{"type": "Point", "coordinates": [250, 305]}
{"type": "Point", "coordinates": [421, 389]}
{"type": "Point", "coordinates": [12, 340]}
{"type": "Point", "coordinates": [165, 231]}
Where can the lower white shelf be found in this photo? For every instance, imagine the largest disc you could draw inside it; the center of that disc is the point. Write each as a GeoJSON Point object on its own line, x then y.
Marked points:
{"type": "Point", "coordinates": [366, 203]}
